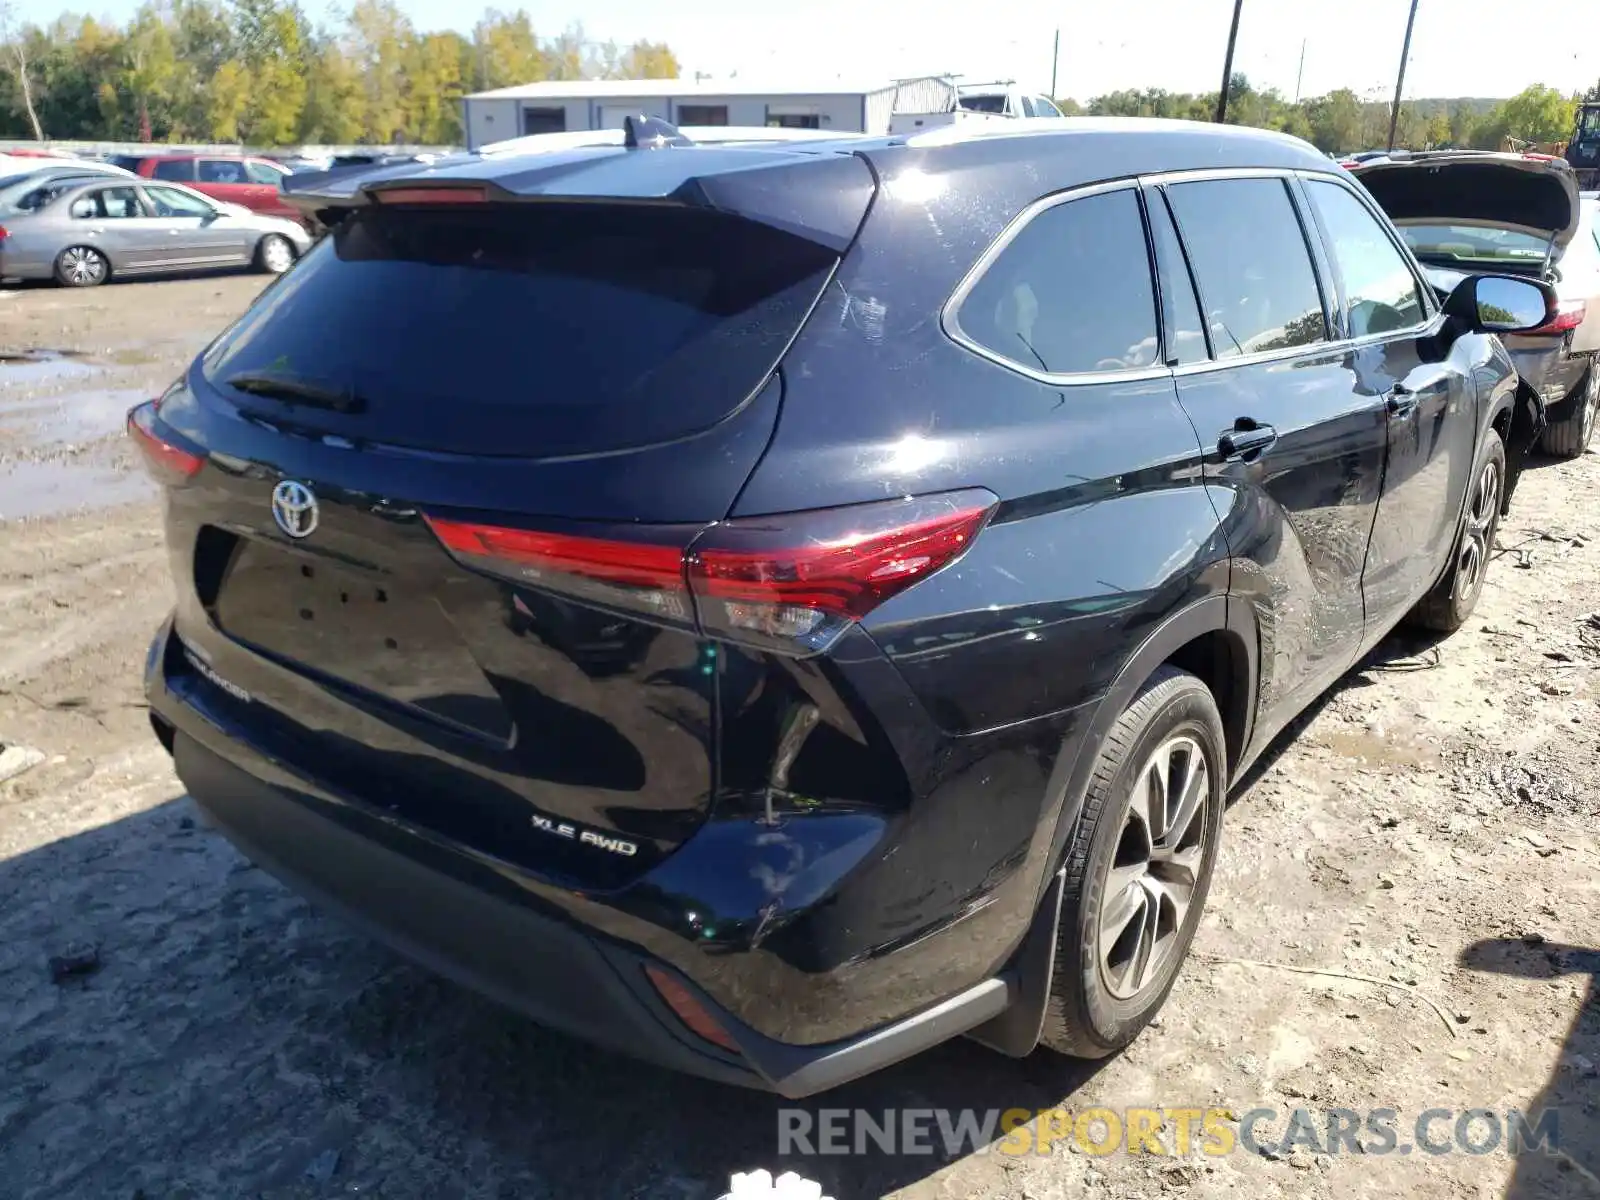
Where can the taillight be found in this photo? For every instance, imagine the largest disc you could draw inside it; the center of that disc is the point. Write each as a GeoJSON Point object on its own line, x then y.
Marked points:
{"type": "Point", "coordinates": [430, 195]}
{"type": "Point", "coordinates": [801, 578]}
{"type": "Point", "coordinates": [640, 576]}
{"type": "Point", "coordinates": [168, 462]}
{"type": "Point", "coordinates": [4, 233]}
{"type": "Point", "coordinates": [791, 582]}
{"type": "Point", "coordinates": [1569, 315]}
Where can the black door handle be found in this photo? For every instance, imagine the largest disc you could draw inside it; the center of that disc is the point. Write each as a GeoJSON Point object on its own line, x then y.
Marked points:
{"type": "Point", "coordinates": [1401, 401]}
{"type": "Point", "coordinates": [1245, 438]}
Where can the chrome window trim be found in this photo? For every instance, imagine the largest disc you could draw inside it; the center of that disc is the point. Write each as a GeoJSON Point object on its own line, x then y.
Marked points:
{"type": "Point", "coordinates": [949, 315]}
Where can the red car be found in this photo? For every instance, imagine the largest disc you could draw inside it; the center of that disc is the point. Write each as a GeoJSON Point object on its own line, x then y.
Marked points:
{"type": "Point", "coordinates": [234, 178]}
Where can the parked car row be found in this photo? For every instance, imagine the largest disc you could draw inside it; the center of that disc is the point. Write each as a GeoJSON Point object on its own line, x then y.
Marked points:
{"type": "Point", "coordinates": [1514, 214]}
{"type": "Point", "coordinates": [846, 636]}
{"type": "Point", "coordinates": [82, 228]}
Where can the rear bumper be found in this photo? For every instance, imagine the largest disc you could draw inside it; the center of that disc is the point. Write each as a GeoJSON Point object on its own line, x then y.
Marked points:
{"type": "Point", "coordinates": [1547, 366]}
{"type": "Point", "coordinates": [472, 923]}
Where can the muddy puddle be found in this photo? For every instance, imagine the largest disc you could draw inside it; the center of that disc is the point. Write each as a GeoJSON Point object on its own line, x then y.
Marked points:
{"type": "Point", "coordinates": [54, 486]}
{"type": "Point", "coordinates": [71, 418]}
{"type": "Point", "coordinates": [47, 417]}
{"type": "Point", "coordinates": [30, 368]}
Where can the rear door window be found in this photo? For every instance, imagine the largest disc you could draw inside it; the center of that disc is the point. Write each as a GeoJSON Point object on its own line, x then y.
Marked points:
{"type": "Point", "coordinates": [260, 172]}
{"type": "Point", "coordinates": [1252, 265]}
{"type": "Point", "coordinates": [1070, 293]}
{"type": "Point", "coordinates": [178, 170]}
{"type": "Point", "coordinates": [1381, 293]}
{"type": "Point", "coordinates": [526, 330]}
{"type": "Point", "coordinates": [221, 170]}
{"type": "Point", "coordinates": [108, 204]}
{"type": "Point", "coordinates": [170, 202]}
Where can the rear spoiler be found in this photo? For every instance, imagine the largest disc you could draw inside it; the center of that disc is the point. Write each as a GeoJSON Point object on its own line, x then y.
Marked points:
{"type": "Point", "coordinates": [815, 192]}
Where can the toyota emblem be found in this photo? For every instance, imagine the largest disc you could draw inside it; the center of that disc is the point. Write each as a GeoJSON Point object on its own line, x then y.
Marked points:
{"type": "Point", "coordinates": [294, 508]}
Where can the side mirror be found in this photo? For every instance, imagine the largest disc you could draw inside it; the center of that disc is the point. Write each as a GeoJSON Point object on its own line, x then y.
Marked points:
{"type": "Point", "coordinates": [1501, 303]}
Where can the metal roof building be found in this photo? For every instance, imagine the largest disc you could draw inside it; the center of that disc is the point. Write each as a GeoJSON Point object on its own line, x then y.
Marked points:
{"type": "Point", "coordinates": [559, 106]}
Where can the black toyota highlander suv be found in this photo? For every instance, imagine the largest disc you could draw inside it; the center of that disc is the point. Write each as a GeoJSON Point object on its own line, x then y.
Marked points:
{"type": "Point", "coordinates": [770, 607]}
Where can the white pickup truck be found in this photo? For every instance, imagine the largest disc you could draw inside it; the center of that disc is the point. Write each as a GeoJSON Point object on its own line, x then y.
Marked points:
{"type": "Point", "coordinates": [1001, 101]}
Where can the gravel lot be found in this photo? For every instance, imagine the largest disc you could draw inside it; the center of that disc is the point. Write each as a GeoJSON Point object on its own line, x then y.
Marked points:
{"type": "Point", "coordinates": [1433, 824]}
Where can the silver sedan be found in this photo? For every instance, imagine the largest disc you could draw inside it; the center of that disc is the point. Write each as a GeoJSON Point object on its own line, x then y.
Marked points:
{"type": "Point", "coordinates": [105, 227]}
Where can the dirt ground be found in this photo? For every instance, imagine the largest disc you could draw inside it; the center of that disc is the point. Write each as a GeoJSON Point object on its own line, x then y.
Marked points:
{"type": "Point", "coordinates": [1431, 825]}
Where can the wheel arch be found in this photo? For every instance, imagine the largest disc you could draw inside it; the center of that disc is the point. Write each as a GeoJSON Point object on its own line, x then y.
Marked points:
{"type": "Point", "coordinates": [1518, 416]}
{"type": "Point", "coordinates": [1216, 640]}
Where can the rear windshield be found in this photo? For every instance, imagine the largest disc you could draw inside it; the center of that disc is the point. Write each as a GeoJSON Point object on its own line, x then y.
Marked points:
{"type": "Point", "coordinates": [1474, 243]}
{"type": "Point", "coordinates": [539, 330]}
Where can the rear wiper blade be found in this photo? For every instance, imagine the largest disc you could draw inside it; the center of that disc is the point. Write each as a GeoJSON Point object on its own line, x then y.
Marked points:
{"type": "Point", "coordinates": [297, 391]}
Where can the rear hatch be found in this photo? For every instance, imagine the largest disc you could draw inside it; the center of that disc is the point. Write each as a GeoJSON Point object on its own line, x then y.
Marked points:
{"type": "Point", "coordinates": [499, 402]}
{"type": "Point", "coordinates": [1478, 212]}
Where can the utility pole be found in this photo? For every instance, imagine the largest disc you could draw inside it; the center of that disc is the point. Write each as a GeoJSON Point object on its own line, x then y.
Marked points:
{"type": "Point", "coordinates": [1400, 83]}
{"type": "Point", "coordinates": [1301, 73]}
{"type": "Point", "coordinates": [1227, 63]}
{"type": "Point", "coordinates": [1055, 64]}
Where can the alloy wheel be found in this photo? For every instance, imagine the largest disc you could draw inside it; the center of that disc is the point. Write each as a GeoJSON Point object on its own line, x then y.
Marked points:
{"type": "Point", "coordinates": [82, 266]}
{"type": "Point", "coordinates": [1480, 528]}
{"type": "Point", "coordinates": [1151, 880]}
{"type": "Point", "coordinates": [276, 255]}
{"type": "Point", "coordinates": [1591, 403]}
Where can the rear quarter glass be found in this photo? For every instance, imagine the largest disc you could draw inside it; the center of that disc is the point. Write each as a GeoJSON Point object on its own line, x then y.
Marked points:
{"type": "Point", "coordinates": [530, 331]}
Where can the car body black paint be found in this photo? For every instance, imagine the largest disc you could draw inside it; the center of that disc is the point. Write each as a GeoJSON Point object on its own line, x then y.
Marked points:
{"type": "Point", "coordinates": [898, 860]}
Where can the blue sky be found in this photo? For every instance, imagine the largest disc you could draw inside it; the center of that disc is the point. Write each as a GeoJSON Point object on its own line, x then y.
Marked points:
{"type": "Point", "coordinates": [1461, 47]}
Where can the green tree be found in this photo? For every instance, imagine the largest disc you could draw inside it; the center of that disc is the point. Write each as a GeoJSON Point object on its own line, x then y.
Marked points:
{"type": "Point", "coordinates": [150, 68]}
{"type": "Point", "coordinates": [505, 51]}
{"type": "Point", "coordinates": [434, 87]}
{"type": "Point", "coordinates": [377, 38]}
{"type": "Point", "coordinates": [1336, 122]}
{"type": "Point", "coordinates": [1536, 114]}
{"type": "Point", "coordinates": [1464, 124]}
{"type": "Point", "coordinates": [335, 111]}
{"type": "Point", "coordinates": [227, 99]}
{"type": "Point", "coordinates": [14, 54]}
{"type": "Point", "coordinates": [648, 60]}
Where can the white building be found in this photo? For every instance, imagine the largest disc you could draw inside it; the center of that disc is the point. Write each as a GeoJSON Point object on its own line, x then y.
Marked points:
{"type": "Point", "coordinates": [560, 106]}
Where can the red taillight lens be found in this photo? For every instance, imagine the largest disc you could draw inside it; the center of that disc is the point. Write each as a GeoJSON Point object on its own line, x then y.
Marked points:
{"type": "Point", "coordinates": [645, 577]}
{"type": "Point", "coordinates": [790, 582]}
{"type": "Point", "coordinates": [4, 233]}
{"type": "Point", "coordinates": [170, 463]}
{"type": "Point", "coordinates": [689, 1010]}
{"type": "Point", "coordinates": [1569, 315]}
{"type": "Point", "coordinates": [801, 578]}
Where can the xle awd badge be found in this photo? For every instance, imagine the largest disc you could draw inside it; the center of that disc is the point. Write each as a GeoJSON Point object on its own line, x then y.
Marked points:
{"type": "Point", "coordinates": [294, 508]}
{"type": "Point", "coordinates": [586, 837]}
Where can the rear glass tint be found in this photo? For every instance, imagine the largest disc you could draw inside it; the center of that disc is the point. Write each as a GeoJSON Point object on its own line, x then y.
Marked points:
{"type": "Point", "coordinates": [1071, 291]}
{"type": "Point", "coordinates": [529, 330]}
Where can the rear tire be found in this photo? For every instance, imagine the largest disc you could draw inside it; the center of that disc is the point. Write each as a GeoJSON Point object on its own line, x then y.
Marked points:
{"type": "Point", "coordinates": [81, 266]}
{"type": "Point", "coordinates": [1446, 608]}
{"type": "Point", "coordinates": [1569, 437]}
{"type": "Point", "coordinates": [1138, 866]}
{"type": "Point", "coordinates": [274, 254]}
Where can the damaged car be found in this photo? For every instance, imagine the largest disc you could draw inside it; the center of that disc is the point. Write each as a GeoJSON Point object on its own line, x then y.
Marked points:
{"type": "Point", "coordinates": [1464, 213]}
